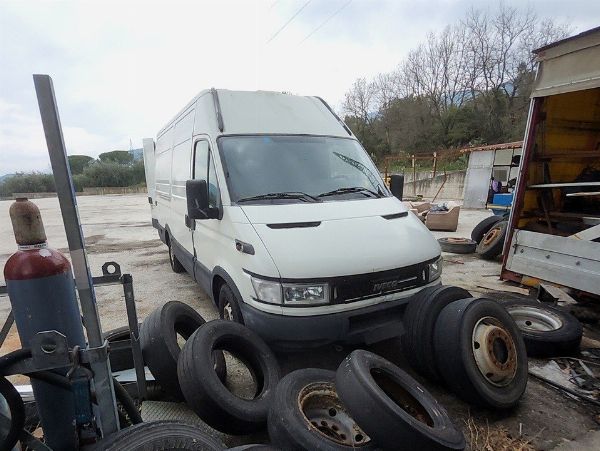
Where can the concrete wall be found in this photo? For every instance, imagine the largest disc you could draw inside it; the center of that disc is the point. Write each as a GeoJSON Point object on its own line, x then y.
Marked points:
{"type": "Point", "coordinates": [113, 190]}
{"type": "Point", "coordinates": [452, 188]}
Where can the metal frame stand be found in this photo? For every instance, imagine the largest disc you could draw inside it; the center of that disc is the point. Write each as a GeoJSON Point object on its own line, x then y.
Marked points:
{"type": "Point", "coordinates": [111, 275]}
{"type": "Point", "coordinates": [83, 279]}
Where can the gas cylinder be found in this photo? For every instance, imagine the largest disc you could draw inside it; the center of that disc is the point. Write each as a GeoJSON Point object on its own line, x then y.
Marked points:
{"type": "Point", "coordinates": [41, 289]}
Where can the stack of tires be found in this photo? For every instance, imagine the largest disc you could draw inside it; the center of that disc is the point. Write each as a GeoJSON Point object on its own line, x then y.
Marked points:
{"type": "Point", "coordinates": [472, 345]}
{"type": "Point", "coordinates": [368, 403]}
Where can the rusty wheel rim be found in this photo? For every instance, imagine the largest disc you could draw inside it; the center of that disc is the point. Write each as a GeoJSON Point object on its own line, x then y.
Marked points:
{"type": "Point", "coordinates": [457, 240]}
{"type": "Point", "coordinates": [319, 404]}
{"type": "Point", "coordinates": [494, 351]}
{"type": "Point", "coordinates": [491, 236]}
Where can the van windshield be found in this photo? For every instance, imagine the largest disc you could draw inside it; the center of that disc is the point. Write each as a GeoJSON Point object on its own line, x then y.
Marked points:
{"type": "Point", "coordinates": [284, 169]}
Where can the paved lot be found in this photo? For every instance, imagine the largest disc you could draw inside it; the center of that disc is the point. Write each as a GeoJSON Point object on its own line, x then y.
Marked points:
{"type": "Point", "coordinates": [118, 228]}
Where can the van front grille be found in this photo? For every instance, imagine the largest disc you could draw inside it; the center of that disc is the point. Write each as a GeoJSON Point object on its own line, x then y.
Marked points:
{"type": "Point", "coordinates": [364, 286]}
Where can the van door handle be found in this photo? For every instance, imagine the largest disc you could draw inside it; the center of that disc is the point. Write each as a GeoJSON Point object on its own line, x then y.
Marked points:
{"type": "Point", "coordinates": [190, 223]}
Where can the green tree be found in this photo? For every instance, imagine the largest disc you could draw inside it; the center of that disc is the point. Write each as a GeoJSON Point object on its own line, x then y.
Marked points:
{"type": "Point", "coordinates": [116, 156]}
{"type": "Point", "coordinates": [32, 182]}
{"type": "Point", "coordinates": [78, 163]}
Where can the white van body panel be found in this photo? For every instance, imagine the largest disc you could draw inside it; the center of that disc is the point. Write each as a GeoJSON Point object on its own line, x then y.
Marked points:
{"type": "Point", "coordinates": [149, 166]}
{"type": "Point", "coordinates": [326, 211]}
{"type": "Point", "coordinates": [367, 244]}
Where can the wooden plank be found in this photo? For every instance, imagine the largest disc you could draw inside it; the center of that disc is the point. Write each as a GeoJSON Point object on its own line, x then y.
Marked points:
{"type": "Point", "coordinates": [563, 185]}
{"type": "Point", "coordinates": [584, 194]}
{"type": "Point", "coordinates": [588, 234]}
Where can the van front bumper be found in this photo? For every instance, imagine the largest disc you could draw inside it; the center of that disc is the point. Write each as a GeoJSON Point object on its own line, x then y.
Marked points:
{"type": "Point", "coordinates": [364, 325]}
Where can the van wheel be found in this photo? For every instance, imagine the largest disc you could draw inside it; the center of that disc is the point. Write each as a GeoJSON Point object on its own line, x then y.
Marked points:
{"type": "Point", "coordinates": [229, 307]}
{"type": "Point", "coordinates": [176, 266]}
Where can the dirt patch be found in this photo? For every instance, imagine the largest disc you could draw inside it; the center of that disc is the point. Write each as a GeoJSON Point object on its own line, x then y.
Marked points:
{"type": "Point", "coordinates": [122, 246]}
{"type": "Point", "coordinates": [483, 437]}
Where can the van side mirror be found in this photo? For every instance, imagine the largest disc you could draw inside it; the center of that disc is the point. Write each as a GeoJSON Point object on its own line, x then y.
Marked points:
{"type": "Point", "coordinates": [196, 192]}
{"type": "Point", "coordinates": [397, 185]}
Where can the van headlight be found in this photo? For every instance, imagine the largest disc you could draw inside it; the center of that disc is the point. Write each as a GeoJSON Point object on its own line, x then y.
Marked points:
{"type": "Point", "coordinates": [290, 293]}
{"type": "Point", "coordinates": [313, 294]}
{"type": "Point", "coordinates": [435, 269]}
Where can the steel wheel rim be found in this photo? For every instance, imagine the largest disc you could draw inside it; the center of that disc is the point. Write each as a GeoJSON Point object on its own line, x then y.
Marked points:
{"type": "Point", "coordinates": [228, 311]}
{"type": "Point", "coordinates": [321, 408]}
{"type": "Point", "coordinates": [491, 235]}
{"type": "Point", "coordinates": [494, 351]}
{"type": "Point", "coordinates": [532, 319]}
{"type": "Point", "coordinates": [457, 240]}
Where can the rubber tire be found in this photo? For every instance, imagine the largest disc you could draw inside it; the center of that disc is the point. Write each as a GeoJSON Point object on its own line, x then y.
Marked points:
{"type": "Point", "coordinates": [484, 226]}
{"type": "Point", "coordinates": [17, 413]}
{"type": "Point", "coordinates": [491, 250]}
{"type": "Point", "coordinates": [385, 419]}
{"type": "Point", "coordinates": [122, 359]}
{"type": "Point", "coordinates": [419, 322]}
{"type": "Point", "coordinates": [158, 338]}
{"type": "Point", "coordinates": [454, 354]}
{"type": "Point", "coordinates": [556, 343]}
{"type": "Point", "coordinates": [204, 392]}
{"type": "Point", "coordinates": [467, 247]}
{"type": "Point", "coordinates": [288, 427]}
{"type": "Point", "coordinates": [159, 435]}
{"type": "Point", "coordinates": [176, 265]}
{"type": "Point", "coordinates": [226, 295]}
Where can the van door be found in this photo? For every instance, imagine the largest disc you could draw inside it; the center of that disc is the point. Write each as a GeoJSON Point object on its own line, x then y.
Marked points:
{"type": "Point", "coordinates": [181, 167]}
{"type": "Point", "coordinates": [204, 169]}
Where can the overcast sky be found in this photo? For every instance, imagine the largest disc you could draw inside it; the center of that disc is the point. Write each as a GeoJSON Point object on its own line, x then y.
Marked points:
{"type": "Point", "coordinates": [122, 69]}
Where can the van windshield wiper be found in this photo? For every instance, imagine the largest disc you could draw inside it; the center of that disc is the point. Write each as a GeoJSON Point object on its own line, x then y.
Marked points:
{"type": "Point", "coordinates": [351, 189]}
{"type": "Point", "coordinates": [284, 195]}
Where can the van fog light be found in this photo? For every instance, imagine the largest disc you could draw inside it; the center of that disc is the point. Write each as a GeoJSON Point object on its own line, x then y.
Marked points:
{"type": "Point", "coordinates": [435, 269]}
{"type": "Point", "coordinates": [305, 294]}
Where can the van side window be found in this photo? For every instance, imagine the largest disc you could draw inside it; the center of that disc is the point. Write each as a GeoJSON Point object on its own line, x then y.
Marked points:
{"type": "Point", "coordinates": [214, 196]}
{"type": "Point", "coordinates": [204, 169]}
{"type": "Point", "coordinates": [201, 160]}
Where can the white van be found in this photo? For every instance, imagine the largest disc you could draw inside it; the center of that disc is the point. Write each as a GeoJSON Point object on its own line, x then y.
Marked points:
{"type": "Point", "coordinates": [272, 205]}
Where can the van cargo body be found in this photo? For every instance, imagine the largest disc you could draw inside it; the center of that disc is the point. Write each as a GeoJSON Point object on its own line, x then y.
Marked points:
{"type": "Point", "coordinates": [271, 204]}
{"type": "Point", "coordinates": [554, 232]}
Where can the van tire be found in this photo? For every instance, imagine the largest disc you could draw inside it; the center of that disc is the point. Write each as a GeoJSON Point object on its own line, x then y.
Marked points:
{"type": "Point", "coordinates": [159, 435]}
{"type": "Point", "coordinates": [176, 265]}
{"type": "Point", "coordinates": [158, 337]}
{"type": "Point", "coordinates": [419, 320]}
{"type": "Point", "coordinates": [204, 392]}
{"type": "Point", "coordinates": [492, 243]}
{"type": "Point", "coordinates": [474, 327]}
{"type": "Point", "coordinates": [292, 427]}
{"type": "Point", "coordinates": [229, 307]}
{"type": "Point", "coordinates": [391, 406]}
{"type": "Point", "coordinates": [484, 226]}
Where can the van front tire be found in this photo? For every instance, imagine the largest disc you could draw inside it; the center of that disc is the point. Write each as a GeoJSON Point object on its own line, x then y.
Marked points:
{"type": "Point", "coordinates": [229, 307]}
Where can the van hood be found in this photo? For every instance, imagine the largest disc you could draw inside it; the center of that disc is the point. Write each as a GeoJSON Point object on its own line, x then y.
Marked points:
{"type": "Point", "coordinates": [341, 238]}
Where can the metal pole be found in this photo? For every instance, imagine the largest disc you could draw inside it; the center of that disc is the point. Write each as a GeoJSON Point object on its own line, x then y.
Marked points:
{"type": "Point", "coordinates": [136, 349]}
{"type": "Point", "coordinates": [83, 278]}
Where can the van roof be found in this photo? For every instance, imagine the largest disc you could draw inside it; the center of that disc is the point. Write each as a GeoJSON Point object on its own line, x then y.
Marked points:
{"type": "Point", "coordinates": [262, 112]}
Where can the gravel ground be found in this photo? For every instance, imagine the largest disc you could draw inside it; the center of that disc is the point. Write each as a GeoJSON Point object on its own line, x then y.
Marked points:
{"type": "Point", "coordinates": [118, 228]}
